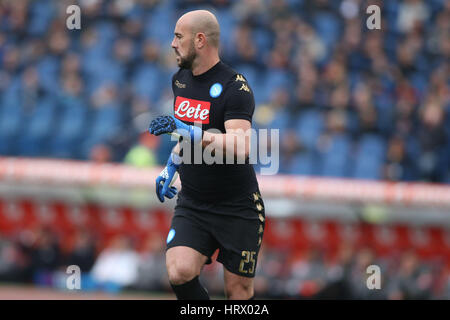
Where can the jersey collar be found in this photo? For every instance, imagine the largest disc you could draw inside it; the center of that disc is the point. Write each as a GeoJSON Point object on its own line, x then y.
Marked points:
{"type": "Point", "coordinates": [208, 73]}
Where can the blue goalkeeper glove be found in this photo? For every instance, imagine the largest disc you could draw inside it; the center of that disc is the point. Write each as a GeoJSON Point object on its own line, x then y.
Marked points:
{"type": "Point", "coordinates": [167, 177]}
{"type": "Point", "coordinates": [170, 124]}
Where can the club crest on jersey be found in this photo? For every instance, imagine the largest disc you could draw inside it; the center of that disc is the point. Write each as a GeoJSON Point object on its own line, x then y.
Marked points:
{"type": "Point", "coordinates": [215, 90]}
{"type": "Point", "coordinates": [192, 110]}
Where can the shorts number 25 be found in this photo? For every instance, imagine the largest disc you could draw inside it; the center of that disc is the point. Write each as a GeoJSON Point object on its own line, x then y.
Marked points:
{"type": "Point", "coordinates": [248, 256]}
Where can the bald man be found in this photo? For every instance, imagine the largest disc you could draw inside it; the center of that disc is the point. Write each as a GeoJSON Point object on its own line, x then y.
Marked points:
{"type": "Point", "coordinates": [219, 206]}
{"type": "Point", "coordinates": [197, 30]}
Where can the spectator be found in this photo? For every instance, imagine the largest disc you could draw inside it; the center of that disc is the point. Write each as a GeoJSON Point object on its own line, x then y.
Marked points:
{"type": "Point", "coordinates": [46, 256]}
{"type": "Point", "coordinates": [100, 153]}
{"type": "Point", "coordinates": [383, 80]}
{"type": "Point", "coordinates": [116, 267]}
{"type": "Point", "coordinates": [143, 154]}
{"type": "Point", "coordinates": [13, 262]}
{"type": "Point", "coordinates": [411, 281]}
{"type": "Point", "coordinates": [356, 279]}
{"type": "Point", "coordinates": [270, 280]}
{"type": "Point", "coordinates": [151, 274]}
{"type": "Point", "coordinates": [83, 253]}
{"type": "Point", "coordinates": [307, 275]}
{"type": "Point", "coordinates": [433, 141]}
{"type": "Point", "coordinates": [398, 165]}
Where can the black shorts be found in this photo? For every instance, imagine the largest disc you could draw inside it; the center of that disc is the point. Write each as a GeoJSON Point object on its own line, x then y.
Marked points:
{"type": "Point", "coordinates": [234, 227]}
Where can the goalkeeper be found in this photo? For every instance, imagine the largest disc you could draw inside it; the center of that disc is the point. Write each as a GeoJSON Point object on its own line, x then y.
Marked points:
{"type": "Point", "coordinates": [219, 205]}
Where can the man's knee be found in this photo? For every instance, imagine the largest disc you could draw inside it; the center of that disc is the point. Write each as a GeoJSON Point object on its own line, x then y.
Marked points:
{"type": "Point", "coordinates": [183, 264]}
{"type": "Point", "coordinates": [180, 272]}
{"type": "Point", "coordinates": [240, 290]}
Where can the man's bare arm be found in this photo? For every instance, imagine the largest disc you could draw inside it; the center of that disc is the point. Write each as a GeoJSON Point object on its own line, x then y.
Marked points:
{"type": "Point", "coordinates": [235, 141]}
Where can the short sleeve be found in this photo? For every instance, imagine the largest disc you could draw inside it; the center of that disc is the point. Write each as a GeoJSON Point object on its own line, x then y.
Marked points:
{"type": "Point", "coordinates": [239, 100]}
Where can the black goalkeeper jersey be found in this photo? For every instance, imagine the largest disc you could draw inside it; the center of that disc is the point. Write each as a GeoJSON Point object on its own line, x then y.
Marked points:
{"type": "Point", "coordinates": [210, 99]}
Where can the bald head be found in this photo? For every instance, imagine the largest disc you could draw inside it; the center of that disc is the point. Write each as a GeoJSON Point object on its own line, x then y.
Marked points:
{"type": "Point", "coordinates": [202, 21]}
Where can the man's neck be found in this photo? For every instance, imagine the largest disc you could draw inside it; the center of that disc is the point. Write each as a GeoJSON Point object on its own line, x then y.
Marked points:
{"type": "Point", "coordinates": [204, 65]}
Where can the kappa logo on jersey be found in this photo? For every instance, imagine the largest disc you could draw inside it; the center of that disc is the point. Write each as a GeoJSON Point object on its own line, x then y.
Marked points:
{"type": "Point", "coordinates": [192, 110]}
{"type": "Point", "coordinates": [244, 87]}
{"type": "Point", "coordinates": [240, 77]}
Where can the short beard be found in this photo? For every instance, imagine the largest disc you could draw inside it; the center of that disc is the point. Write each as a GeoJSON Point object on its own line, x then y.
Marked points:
{"type": "Point", "coordinates": [186, 63]}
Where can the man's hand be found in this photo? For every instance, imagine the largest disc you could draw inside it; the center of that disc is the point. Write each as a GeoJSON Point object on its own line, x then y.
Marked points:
{"type": "Point", "coordinates": [170, 124]}
{"type": "Point", "coordinates": [164, 124]}
{"type": "Point", "coordinates": [167, 177]}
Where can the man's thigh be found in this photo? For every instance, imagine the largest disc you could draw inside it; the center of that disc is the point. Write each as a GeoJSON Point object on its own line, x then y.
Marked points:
{"type": "Point", "coordinates": [240, 241]}
{"type": "Point", "coordinates": [191, 234]}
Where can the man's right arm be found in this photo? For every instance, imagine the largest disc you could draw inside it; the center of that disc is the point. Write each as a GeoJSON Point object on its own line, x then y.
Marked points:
{"type": "Point", "coordinates": [176, 149]}
{"type": "Point", "coordinates": [168, 176]}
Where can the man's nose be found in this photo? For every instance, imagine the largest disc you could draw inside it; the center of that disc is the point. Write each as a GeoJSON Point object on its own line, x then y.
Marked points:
{"type": "Point", "coordinates": [173, 44]}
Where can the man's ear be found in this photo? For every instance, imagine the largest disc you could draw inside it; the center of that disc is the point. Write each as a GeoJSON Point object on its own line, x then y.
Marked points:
{"type": "Point", "coordinates": [200, 39]}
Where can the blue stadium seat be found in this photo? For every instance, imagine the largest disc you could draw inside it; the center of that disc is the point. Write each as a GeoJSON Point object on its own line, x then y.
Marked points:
{"type": "Point", "coordinates": [263, 41]}
{"type": "Point", "coordinates": [107, 33]}
{"type": "Point", "coordinates": [369, 157]}
{"type": "Point", "coordinates": [48, 69]}
{"type": "Point", "coordinates": [309, 127]}
{"type": "Point", "coordinates": [227, 22]}
{"type": "Point", "coordinates": [108, 71]}
{"type": "Point", "coordinates": [41, 14]}
{"type": "Point", "coordinates": [156, 27]}
{"type": "Point", "coordinates": [295, 3]}
{"type": "Point", "coordinates": [10, 125]}
{"type": "Point", "coordinates": [273, 80]}
{"type": "Point", "coordinates": [72, 124]}
{"type": "Point", "coordinates": [39, 126]}
{"type": "Point", "coordinates": [146, 82]}
{"type": "Point", "coordinates": [328, 27]}
{"type": "Point", "coordinates": [372, 144]}
{"type": "Point", "coordinates": [281, 121]}
{"type": "Point", "coordinates": [105, 124]}
{"type": "Point", "coordinates": [304, 163]}
{"type": "Point", "coordinates": [105, 120]}
{"type": "Point", "coordinates": [335, 158]}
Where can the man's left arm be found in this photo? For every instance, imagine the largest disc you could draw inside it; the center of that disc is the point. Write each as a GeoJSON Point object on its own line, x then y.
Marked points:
{"type": "Point", "coordinates": [235, 141]}
{"type": "Point", "coordinates": [238, 112]}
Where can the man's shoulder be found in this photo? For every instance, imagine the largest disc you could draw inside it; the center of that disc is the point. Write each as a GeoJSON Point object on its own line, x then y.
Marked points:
{"type": "Point", "coordinates": [229, 72]}
{"type": "Point", "coordinates": [180, 72]}
{"type": "Point", "coordinates": [237, 82]}
{"type": "Point", "coordinates": [235, 78]}
{"type": "Point", "coordinates": [227, 69]}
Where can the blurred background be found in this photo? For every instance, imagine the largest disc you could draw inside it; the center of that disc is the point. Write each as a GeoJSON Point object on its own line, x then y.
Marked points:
{"type": "Point", "coordinates": [353, 106]}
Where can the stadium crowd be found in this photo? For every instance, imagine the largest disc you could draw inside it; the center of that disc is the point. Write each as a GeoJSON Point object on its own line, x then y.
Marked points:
{"type": "Point", "coordinates": [349, 101]}
{"type": "Point", "coordinates": [38, 257]}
